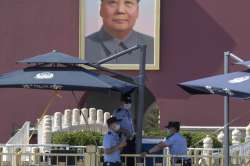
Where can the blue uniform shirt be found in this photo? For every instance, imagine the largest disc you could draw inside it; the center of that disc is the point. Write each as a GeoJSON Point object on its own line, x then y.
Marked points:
{"type": "Point", "coordinates": [177, 144]}
{"type": "Point", "coordinates": [126, 119]}
{"type": "Point", "coordinates": [110, 140]}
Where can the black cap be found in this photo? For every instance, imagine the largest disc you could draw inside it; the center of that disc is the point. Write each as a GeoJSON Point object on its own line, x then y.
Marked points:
{"type": "Point", "coordinates": [112, 120]}
{"type": "Point", "coordinates": [126, 98]}
{"type": "Point", "coordinates": [173, 124]}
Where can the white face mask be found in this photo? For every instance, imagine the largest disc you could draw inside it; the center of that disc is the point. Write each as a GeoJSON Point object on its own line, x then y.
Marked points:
{"type": "Point", "coordinates": [117, 127]}
{"type": "Point", "coordinates": [127, 106]}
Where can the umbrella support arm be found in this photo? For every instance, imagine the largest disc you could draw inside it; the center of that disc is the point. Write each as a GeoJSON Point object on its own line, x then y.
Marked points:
{"type": "Point", "coordinates": [141, 89]}
{"type": "Point", "coordinates": [115, 56]}
{"type": "Point", "coordinates": [234, 57]}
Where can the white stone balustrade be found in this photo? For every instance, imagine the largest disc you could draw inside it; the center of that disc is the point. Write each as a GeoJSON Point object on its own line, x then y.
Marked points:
{"type": "Point", "coordinates": [57, 123]}
{"type": "Point", "coordinates": [75, 117]}
{"type": "Point", "coordinates": [73, 120]}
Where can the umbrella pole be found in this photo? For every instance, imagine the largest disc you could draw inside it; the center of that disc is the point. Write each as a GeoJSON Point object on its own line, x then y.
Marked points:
{"type": "Point", "coordinates": [139, 116]}
{"type": "Point", "coordinates": [226, 115]}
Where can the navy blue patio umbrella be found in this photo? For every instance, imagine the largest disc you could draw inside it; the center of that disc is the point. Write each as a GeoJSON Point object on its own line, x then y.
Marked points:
{"type": "Point", "coordinates": [59, 71]}
{"type": "Point", "coordinates": [236, 84]}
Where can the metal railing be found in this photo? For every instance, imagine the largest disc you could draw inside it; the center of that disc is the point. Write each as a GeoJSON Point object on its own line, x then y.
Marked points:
{"type": "Point", "coordinates": [93, 156]}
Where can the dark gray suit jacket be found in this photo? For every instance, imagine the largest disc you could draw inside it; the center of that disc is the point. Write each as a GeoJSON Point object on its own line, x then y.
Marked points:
{"type": "Point", "coordinates": [100, 45]}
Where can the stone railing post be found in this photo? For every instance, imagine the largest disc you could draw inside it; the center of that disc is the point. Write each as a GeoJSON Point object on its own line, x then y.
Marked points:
{"type": "Point", "coordinates": [236, 140]}
{"type": "Point", "coordinates": [92, 116]}
{"type": "Point", "coordinates": [105, 126]}
{"type": "Point", "coordinates": [207, 152]}
{"type": "Point", "coordinates": [100, 117]}
{"type": "Point", "coordinates": [99, 120]}
{"type": "Point", "coordinates": [220, 137]}
{"type": "Point", "coordinates": [236, 136]}
{"type": "Point", "coordinates": [84, 116]}
{"type": "Point", "coordinates": [247, 139]}
{"type": "Point", "coordinates": [35, 157]}
{"type": "Point", "coordinates": [92, 119]}
{"type": "Point", "coordinates": [57, 126]}
{"type": "Point", "coordinates": [106, 117]}
{"type": "Point", "coordinates": [75, 117]}
{"type": "Point", "coordinates": [91, 156]}
{"type": "Point", "coordinates": [47, 129]}
{"type": "Point", "coordinates": [67, 119]}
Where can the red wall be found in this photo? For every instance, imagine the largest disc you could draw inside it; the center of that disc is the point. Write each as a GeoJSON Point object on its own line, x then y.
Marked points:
{"type": "Point", "coordinates": [194, 35]}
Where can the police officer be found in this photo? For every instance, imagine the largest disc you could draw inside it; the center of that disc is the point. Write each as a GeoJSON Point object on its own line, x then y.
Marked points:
{"type": "Point", "coordinates": [176, 143]}
{"type": "Point", "coordinates": [113, 144]}
{"type": "Point", "coordinates": [127, 127]}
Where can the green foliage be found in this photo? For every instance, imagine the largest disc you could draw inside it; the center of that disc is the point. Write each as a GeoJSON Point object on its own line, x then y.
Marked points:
{"type": "Point", "coordinates": [77, 138]}
{"type": "Point", "coordinates": [194, 139]}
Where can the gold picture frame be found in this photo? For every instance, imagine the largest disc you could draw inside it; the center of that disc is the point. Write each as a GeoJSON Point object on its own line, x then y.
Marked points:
{"type": "Point", "coordinates": [153, 66]}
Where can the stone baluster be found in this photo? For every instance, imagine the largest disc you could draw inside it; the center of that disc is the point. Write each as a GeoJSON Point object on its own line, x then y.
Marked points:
{"type": "Point", "coordinates": [75, 117]}
{"type": "Point", "coordinates": [47, 129]}
{"type": "Point", "coordinates": [92, 116]}
{"type": "Point", "coordinates": [99, 121]}
{"type": "Point", "coordinates": [99, 117]}
{"type": "Point", "coordinates": [106, 117]}
{"type": "Point", "coordinates": [57, 126]}
{"type": "Point", "coordinates": [247, 139]}
{"type": "Point", "coordinates": [105, 126]}
{"type": "Point", "coordinates": [220, 137]}
{"type": "Point", "coordinates": [207, 152]}
{"type": "Point", "coordinates": [67, 119]}
{"type": "Point", "coordinates": [35, 157]}
{"type": "Point", "coordinates": [236, 140]}
{"type": "Point", "coordinates": [92, 119]}
{"type": "Point", "coordinates": [236, 136]}
{"type": "Point", "coordinates": [84, 116]}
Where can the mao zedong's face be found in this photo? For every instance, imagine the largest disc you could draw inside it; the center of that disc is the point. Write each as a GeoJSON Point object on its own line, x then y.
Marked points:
{"type": "Point", "coordinates": [119, 15]}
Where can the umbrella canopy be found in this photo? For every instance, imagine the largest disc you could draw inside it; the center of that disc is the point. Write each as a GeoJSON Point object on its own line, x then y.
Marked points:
{"type": "Point", "coordinates": [54, 57]}
{"type": "Point", "coordinates": [63, 78]}
{"type": "Point", "coordinates": [236, 84]}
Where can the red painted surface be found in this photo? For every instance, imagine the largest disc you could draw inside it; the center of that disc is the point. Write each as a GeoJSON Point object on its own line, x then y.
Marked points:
{"type": "Point", "coordinates": [194, 35]}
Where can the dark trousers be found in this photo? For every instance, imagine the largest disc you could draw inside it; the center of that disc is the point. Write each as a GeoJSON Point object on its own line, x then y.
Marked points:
{"type": "Point", "coordinates": [130, 149]}
{"type": "Point", "coordinates": [112, 164]}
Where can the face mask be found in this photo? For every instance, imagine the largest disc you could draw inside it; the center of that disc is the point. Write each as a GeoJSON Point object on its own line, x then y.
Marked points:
{"type": "Point", "coordinates": [117, 127]}
{"type": "Point", "coordinates": [127, 106]}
